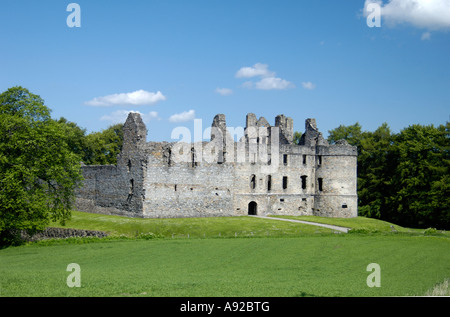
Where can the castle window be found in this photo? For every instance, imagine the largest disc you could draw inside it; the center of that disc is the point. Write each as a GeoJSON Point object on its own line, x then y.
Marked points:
{"type": "Point", "coordinates": [344, 206]}
{"type": "Point", "coordinates": [253, 181]}
{"type": "Point", "coordinates": [304, 159]}
{"type": "Point", "coordinates": [194, 163]}
{"type": "Point", "coordinates": [269, 183]}
{"type": "Point", "coordinates": [285, 182]}
{"type": "Point", "coordinates": [304, 177]}
{"type": "Point", "coordinates": [320, 160]}
{"type": "Point", "coordinates": [285, 159]}
{"type": "Point", "coordinates": [129, 165]}
{"type": "Point", "coordinates": [131, 186]}
{"type": "Point", "coordinates": [175, 187]}
{"type": "Point", "coordinates": [320, 181]}
{"type": "Point", "coordinates": [303, 199]}
{"type": "Point", "coordinates": [282, 199]}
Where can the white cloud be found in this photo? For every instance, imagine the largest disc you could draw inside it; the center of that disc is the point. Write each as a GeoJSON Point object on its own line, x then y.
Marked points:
{"type": "Point", "coordinates": [183, 116]}
{"type": "Point", "coordinates": [135, 98]}
{"type": "Point", "coordinates": [224, 91]}
{"type": "Point", "coordinates": [120, 116]}
{"type": "Point", "coordinates": [308, 85]}
{"type": "Point", "coordinates": [269, 83]}
{"type": "Point", "coordinates": [268, 80]}
{"type": "Point", "coordinates": [428, 14]}
{"type": "Point", "coordinates": [256, 70]}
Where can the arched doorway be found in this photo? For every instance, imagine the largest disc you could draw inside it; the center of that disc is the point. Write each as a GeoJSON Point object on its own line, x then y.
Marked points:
{"type": "Point", "coordinates": [252, 208]}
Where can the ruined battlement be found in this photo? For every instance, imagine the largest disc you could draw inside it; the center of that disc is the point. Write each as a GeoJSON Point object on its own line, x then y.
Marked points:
{"type": "Point", "coordinates": [262, 173]}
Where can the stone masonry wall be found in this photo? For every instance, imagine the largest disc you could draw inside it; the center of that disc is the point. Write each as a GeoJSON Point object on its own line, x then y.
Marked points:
{"type": "Point", "coordinates": [313, 178]}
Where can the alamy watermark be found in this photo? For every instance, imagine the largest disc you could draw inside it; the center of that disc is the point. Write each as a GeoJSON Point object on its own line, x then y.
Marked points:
{"type": "Point", "coordinates": [74, 18]}
{"type": "Point", "coordinates": [374, 278]}
{"type": "Point", "coordinates": [74, 278]}
{"type": "Point", "coordinates": [373, 11]}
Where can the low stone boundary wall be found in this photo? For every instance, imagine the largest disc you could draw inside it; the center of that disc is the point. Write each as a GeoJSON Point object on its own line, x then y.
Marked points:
{"type": "Point", "coordinates": [61, 233]}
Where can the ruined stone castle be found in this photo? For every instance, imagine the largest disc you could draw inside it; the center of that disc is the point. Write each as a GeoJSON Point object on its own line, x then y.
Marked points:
{"type": "Point", "coordinates": [261, 173]}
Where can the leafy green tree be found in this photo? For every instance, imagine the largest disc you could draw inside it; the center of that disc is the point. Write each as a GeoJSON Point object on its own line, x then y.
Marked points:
{"type": "Point", "coordinates": [421, 179]}
{"type": "Point", "coordinates": [103, 147]}
{"type": "Point", "coordinates": [75, 136]}
{"type": "Point", "coordinates": [404, 177]}
{"type": "Point", "coordinates": [297, 137]}
{"type": "Point", "coordinates": [351, 133]}
{"type": "Point", "coordinates": [38, 172]}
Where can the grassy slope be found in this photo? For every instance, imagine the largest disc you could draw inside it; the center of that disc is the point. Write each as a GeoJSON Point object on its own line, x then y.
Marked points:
{"type": "Point", "coordinates": [312, 261]}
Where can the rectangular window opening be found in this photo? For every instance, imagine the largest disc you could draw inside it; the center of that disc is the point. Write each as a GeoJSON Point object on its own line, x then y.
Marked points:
{"type": "Point", "coordinates": [304, 178]}
{"type": "Point", "coordinates": [320, 181]}
{"type": "Point", "coordinates": [285, 182]}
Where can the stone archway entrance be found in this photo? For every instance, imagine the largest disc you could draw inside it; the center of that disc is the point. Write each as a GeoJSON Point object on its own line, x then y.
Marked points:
{"type": "Point", "coordinates": [252, 208]}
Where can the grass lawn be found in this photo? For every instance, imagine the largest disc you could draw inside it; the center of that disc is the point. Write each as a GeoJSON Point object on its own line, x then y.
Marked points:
{"type": "Point", "coordinates": [279, 259]}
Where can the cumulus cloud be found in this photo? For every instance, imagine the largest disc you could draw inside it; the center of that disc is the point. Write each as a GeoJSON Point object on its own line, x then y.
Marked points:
{"type": "Point", "coordinates": [308, 85]}
{"type": "Point", "coordinates": [183, 116]}
{"type": "Point", "coordinates": [224, 91]}
{"type": "Point", "coordinates": [256, 70]}
{"type": "Point", "coordinates": [428, 14]}
{"type": "Point", "coordinates": [267, 81]}
{"type": "Point", "coordinates": [120, 116]}
{"type": "Point", "coordinates": [135, 98]}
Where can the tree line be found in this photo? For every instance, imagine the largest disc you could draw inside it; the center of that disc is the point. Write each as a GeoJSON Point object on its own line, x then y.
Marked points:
{"type": "Point", "coordinates": [402, 177]}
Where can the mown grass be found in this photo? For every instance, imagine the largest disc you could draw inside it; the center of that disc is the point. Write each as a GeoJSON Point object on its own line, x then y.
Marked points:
{"type": "Point", "coordinates": [324, 265]}
{"type": "Point", "coordinates": [207, 227]}
{"type": "Point", "coordinates": [230, 256]}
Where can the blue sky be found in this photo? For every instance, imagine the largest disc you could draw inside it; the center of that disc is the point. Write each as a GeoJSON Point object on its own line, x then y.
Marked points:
{"type": "Point", "coordinates": [179, 60]}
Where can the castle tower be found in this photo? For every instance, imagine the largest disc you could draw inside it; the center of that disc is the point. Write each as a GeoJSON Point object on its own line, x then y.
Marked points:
{"type": "Point", "coordinates": [286, 126]}
{"type": "Point", "coordinates": [134, 132]}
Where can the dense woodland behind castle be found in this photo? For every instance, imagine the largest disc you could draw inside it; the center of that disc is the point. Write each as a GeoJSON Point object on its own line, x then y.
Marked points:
{"type": "Point", "coordinates": [402, 177]}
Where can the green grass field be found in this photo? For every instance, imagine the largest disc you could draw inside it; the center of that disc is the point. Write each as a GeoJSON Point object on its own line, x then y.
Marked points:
{"type": "Point", "coordinates": [238, 256]}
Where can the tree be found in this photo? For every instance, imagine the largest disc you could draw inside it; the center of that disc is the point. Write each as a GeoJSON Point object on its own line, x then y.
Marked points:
{"type": "Point", "coordinates": [421, 179]}
{"type": "Point", "coordinates": [297, 137]}
{"type": "Point", "coordinates": [103, 147]}
{"type": "Point", "coordinates": [404, 177]}
{"type": "Point", "coordinates": [38, 172]}
{"type": "Point", "coordinates": [351, 133]}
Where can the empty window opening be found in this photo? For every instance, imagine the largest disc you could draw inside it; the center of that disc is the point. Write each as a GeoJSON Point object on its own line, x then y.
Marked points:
{"type": "Point", "coordinates": [252, 208]}
{"type": "Point", "coordinates": [303, 199]}
{"type": "Point", "coordinates": [130, 193]}
{"type": "Point", "coordinates": [175, 187]}
{"type": "Point", "coordinates": [131, 186]}
{"type": "Point", "coordinates": [269, 182]}
{"type": "Point", "coordinates": [285, 159]}
{"type": "Point", "coordinates": [193, 162]}
{"type": "Point", "coordinates": [282, 199]}
{"type": "Point", "coordinates": [304, 178]}
{"type": "Point", "coordinates": [221, 158]}
{"type": "Point", "coordinates": [320, 181]}
{"type": "Point", "coordinates": [169, 156]}
{"type": "Point", "coordinates": [253, 182]}
{"type": "Point", "coordinates": [285, 182]}
{"type": "Point", "coordinates": [304, 159]}
{"type": "Point", "coordinates": [129, 165]}
{"type": "Point", "coordinates": [344, 206]}
{"type": "Point", "coordinates": [320, 160]}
